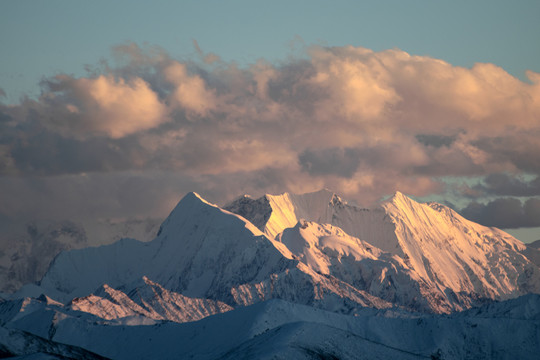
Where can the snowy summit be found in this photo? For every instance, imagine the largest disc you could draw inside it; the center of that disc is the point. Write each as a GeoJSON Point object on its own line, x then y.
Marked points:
{"type": "Point", "coordinates": [314, 257]}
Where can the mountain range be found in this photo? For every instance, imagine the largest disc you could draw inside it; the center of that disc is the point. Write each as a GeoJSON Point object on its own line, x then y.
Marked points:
{"type": "Point", "coordinates": [307, 276]}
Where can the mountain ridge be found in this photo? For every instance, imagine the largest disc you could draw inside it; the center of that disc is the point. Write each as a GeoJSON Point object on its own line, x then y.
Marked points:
{"type": "Point", "coordinates": [210, 270]}
{"type": "Point", "coordinates": [453, 257]}
{"type": "Point", "coordinates": [428, 258]}
{"type": "Point", "coordinates": [280, 329]}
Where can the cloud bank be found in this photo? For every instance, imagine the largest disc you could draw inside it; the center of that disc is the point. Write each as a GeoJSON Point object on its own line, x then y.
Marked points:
{"type": "Point", "coordinates": [363, 123]}
{"type": "Point", "coordinates": [505, 213]}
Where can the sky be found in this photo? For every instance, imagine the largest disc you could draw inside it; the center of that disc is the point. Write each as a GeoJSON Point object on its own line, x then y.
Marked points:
{"type": "Point", "coordinates": [112, 109]}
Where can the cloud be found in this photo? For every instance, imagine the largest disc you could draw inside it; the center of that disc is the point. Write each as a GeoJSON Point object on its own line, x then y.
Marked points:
{"type": "Point", "coordinates": [361, 122]}
{"type": "Point", "coordinates": [514, 150]}
{"type": "Point", "coordinates": [508, 185]}
{"type": "Point", "coordinates": [358, 85]}
{"type": "Point", "coordinates": [338, 161]}
{"type": "Point", "coordinates": [209, 58]}
{"type": "Point", "coordinates": [94, 195]}
{"type": "Point", "coordinates": [436, 140]}
{"type": "Point", "coordinates": [190, 91]}
{"type": "Point", "coordinates": [101, 105]}
{"type": "Point", "coordinates": [506, 213]}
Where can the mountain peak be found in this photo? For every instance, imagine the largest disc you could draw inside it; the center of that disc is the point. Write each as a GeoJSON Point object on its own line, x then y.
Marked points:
{"type": "Point", "coordinates": [416, 255]}
{"type": "Point", "coordinates": [189, 203]}
{"type": "Point", "coordinates": [191, 206]}
{"type": "Point", "coordinates": [398, 197]}
{"type": "Point", "coordinates": [336, 200]}
{"type": "Point", "coordinates": [195, 197]}
{"type": "Point", "coordinates": [325, 191]}
{"type": "Point", "coordinates": [402, 203]}
{"type": "Point", "coordinates": [273, 213]}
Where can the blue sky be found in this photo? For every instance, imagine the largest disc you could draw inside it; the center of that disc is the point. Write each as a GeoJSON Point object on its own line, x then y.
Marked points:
{"type": "Point", "coordinates": [42, 38]}
{"type": "Point", "coordinates": [431, 98]}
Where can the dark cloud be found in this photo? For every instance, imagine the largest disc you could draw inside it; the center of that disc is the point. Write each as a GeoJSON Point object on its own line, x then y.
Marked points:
{"type": "Point", "coordinates": [518, 148]}
{"type": "Point", "coordinates": [508, 185]}
{"type": "Point", "coordinates": [435, 140]}
{"type": "Point", "coordinates": [4, 118]}
{"type": "Point", "coordinates": [51, 154]}
{"type": "Point", "coordinates": [334, 161]}
{"type": "Point", "coordinates": [506, 213]}
{"type": "Point", "coordinates": [94, 195]}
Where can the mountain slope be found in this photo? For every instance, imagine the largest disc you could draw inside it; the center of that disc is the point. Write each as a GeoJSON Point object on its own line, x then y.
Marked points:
{"type": "Point", "coordinates": [20, 344]}
{"type": "Point", "coordinates": [330, 251]}
{"type": "Point", "coordinates": [150, 300]}
{"type": "Point", "coordinates": [208, 285]}
{"type": "Point", "coordinates": [274, 213]}
{"type": "Point", "coordinates": [452, 252]}
{"type": "Point", "coordinates": [201, 251]}
{"type": "Point", "coordinates": [197, 252]}
{"type": "Point", "coordinates": [275, 329]}
{"type": "Point", "coordinates": [310, 340]}
{"type": "Point", "coordinates": [424, 257]}
{"type": "Point", "coordinates": [532, 252]}
{"type": "Point", "coordinates": [457, 261]}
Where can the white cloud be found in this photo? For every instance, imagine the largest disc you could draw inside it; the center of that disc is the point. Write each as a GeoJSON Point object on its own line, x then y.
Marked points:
{"type": "Point", "coordinates": [363, 123]}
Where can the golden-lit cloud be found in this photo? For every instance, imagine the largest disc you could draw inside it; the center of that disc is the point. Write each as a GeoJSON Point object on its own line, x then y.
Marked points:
{"type": "Point", "coordinates": [103, 105]}
{"type": "Point", "coordinates": [190, 91]}
{"type": "Point", "coordinates": [361, 122]}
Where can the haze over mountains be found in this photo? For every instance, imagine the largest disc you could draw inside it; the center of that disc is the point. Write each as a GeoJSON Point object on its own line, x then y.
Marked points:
{"type": "Point", "coordinates": [302, 264]}
{"type": "Point", "coordinates": [25, 256]}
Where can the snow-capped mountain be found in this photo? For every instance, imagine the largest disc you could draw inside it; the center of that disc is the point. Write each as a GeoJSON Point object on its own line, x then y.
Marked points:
{"type": "Point", "coordinates": [532, 252]}
{"type": "Point", "coordinates": [276, 329]}
{"type": "Point", "coordinates": [203, 251]}
{"type": "Point", "coordinates": [282, 274]}
{"type": "Point", "coordinates": [423, 257]}
{"type": "Point", "coordinates": [17, 344]}
{"type": "Point", "coordinates": [199, 252]}
{"type": "Point", "coordinates": [274, 213]}
{"type": "Point", "coordinates": [453, 261]}
{"type": "Point", "coordinates": [150, 300]}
